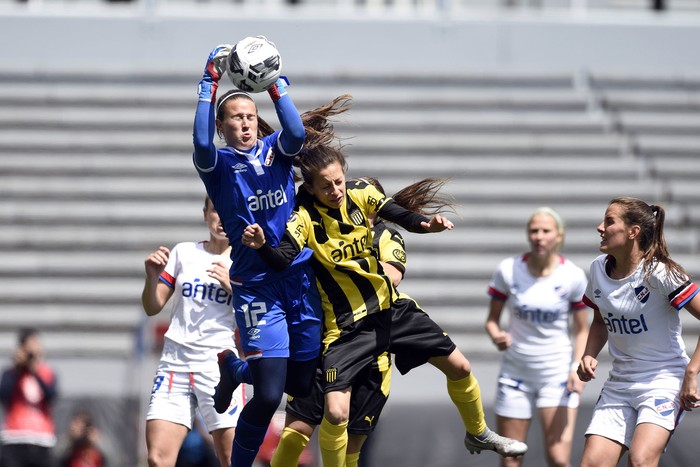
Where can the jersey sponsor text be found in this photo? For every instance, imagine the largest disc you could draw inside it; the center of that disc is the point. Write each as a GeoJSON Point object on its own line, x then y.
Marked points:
{"type": "Point", "coordinates": [349, 250]}
{"type": "Point", "coordinates": [270, 200]}
{"type": "Point", "coordinates": [535, 315]}
{"type": "Point", "coordinates": [624, 325]}
{"type": "Point", "coordinates": [206, 292]}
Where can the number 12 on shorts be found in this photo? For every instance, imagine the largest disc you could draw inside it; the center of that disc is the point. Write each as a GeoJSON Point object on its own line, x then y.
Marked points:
{"type": "Point", "coordinates": [253, 312]}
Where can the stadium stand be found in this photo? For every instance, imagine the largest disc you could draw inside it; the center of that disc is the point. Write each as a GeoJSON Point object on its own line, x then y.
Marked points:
{"type": "Point", "coordinates": [91, 184]}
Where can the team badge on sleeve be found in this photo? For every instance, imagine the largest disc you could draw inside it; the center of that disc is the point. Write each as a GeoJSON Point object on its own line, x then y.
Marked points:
{"type": "Point", "coordinates": [399, 255]}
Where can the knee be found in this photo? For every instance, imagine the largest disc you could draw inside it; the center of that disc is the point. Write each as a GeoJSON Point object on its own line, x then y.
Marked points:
{"type": "Point", "coordinates": [267, 401]}
{"type": "Point", "coordinates": [459, 370]}
{"type": "Point", "coordinates": [158, 458]}
{"type": "Point", "coordinates": [455, 366]}
{"type": "Point", "coordinates": [337, 413]}
{"type": "Point", "coordinates": [558, 461]}
{"type": "Point", "coordinates": [558, 455]}
{"type": "Point", "coordinates": [638, 458]}
{"type": "Point", "coordinates": [263, 404]}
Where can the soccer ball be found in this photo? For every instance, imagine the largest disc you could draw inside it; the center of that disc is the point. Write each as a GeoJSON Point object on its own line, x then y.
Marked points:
{"type": "Point", "coordinates": [254, 64]}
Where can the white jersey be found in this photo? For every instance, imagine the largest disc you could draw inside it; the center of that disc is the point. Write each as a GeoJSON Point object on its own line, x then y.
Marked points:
{"type": "Point", "coordinates": [644, 327]}
{"type": "Point", "coordinates": [202, 322]}
{"type": "Point", "coordinates": [541, 348]}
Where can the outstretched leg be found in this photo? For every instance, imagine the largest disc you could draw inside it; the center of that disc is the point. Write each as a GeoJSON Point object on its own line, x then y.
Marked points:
{"type": "Point", "coordinates": [465, 393]}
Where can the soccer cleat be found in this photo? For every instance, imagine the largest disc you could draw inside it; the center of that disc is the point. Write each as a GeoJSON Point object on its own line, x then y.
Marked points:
{"type": "Point", "coordinates": [228, 382]}
{"type": "Point", "coordinates": [492, 441]}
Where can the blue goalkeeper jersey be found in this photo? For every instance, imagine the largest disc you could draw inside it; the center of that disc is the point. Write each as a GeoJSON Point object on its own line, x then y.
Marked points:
{"type": "Point", "coordinates": [247, 188]}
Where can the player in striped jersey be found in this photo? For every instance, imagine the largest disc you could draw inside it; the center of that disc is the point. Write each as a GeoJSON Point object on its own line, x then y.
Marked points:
{"type": "Point", "coordinates": [370, 390]}
{"type": "Point", "coordinates": [364, 316]}
{"type": "Point", "coordinates": [195, 276]}
{"type": "Point", "coordinates": [636, 291]}
{"type": "Point", "coordinates": [542, 292]}
{"type": "Point", "coordinates": [251, 180]}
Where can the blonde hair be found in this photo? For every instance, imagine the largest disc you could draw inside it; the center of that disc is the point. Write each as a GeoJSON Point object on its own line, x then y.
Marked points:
{"type": "Point", "coordinates": [547, 211]}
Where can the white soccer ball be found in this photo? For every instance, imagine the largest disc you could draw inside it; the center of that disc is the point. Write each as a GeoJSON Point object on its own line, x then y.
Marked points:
{"type": "Point", "coordinates": [254, 64]}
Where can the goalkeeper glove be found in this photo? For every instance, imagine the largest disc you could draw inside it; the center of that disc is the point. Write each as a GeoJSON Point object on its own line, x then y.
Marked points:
{"type": "Point", "coordinates": [216, 65]}
{"type": "Point", "coordinates": [278, 89]}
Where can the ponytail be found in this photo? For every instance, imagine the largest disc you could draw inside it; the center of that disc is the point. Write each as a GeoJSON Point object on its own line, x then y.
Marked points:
{"type": "Point", "coordinates": [650, 219]}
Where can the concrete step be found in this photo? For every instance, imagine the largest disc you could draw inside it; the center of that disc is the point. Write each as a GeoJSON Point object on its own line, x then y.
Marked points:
{"type": "Point", "coordinates": [179, 167]}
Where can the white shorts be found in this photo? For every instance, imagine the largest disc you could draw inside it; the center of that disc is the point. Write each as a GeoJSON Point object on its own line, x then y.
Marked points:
{"type": "Point", "coordinates": [176, 396]}
{"type": "Point", "coordinates": [623, 406]}
{"type": "Point", "coordinates": [516, 399]}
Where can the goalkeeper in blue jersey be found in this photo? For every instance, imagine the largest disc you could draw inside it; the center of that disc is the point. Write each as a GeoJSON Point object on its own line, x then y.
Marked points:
{"type": "Point", "coordinates": [251, 181]}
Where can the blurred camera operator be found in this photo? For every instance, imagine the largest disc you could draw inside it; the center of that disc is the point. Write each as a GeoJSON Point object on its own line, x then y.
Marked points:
{"type": "Point", "coordinates": [27, 393]}
{"type": "Point", "coordinates": [82, 444]}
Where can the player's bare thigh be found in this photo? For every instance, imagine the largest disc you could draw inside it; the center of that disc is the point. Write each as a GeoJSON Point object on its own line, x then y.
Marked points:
{"type": "Point", "coordinates": [163, 440]}
{"type": "Point", "coordinates": [648, 444]}
{"type": "Point", "coordinates": [558, 424]}
{"type": "Point", "coordinates": [601, 452]}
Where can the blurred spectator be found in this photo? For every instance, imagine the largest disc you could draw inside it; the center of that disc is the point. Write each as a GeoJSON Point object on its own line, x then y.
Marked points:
{"type": "Point", "coordinates": [197, 449]}
{"type": "Point", "coordinates": [27, 392]}
{"type": "Point", "coordinates": [81, 447]}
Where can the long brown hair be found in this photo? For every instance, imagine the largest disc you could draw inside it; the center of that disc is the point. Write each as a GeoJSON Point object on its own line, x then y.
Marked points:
{"type": "Point", "coordinates": [650, 219]}
{"type": "Point", "coordinates": [322, 146]}
{"type": "Point", "coordinates": [421, 197]}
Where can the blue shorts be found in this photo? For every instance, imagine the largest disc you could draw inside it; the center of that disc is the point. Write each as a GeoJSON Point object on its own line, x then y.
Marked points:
{"type": "Point", "coordinates": [280, 318]}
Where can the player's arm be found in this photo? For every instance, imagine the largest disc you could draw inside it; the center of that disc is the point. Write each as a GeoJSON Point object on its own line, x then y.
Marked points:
{"type": "Point", "coordinates": [689, 395]}
{"type": "Point", "coordinates": [580, 334]}
{"type": "Point", "coordinates": [413, 221]}
{"type": "Point", "coordinates": [597, 337]}
{"type": "Point", "coordinates": [278, 257]}
{"type": "Point", "coordinates": [204, 117]}
{"type": "Point", "coordinates": [392, 272]}
{"type": "Point", "coordinates": [409, 220]}
{"type": "Point", "coordinates": [499, 337]}
{"type": "Point", "coordinates": [293, 133]}
{"type": "Point", "coordinates": [156, 293]}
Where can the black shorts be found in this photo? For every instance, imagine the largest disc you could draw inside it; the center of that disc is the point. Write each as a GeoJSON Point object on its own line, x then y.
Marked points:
{"type": "Point", "coordinates": [404, 330]}
{"type": "Point", "coordinates": [369, 395]}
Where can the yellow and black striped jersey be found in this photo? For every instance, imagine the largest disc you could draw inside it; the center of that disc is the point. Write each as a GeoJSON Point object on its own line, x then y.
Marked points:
{"type": "Point", "coordinates": [389, 244]}
{"type": "Point", "coordinates": [350, 280]}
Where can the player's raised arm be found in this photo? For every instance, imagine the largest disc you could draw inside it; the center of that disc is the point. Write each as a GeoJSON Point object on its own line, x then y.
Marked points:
{"type": "Point", "coordinates": [205, 119]}
{"type": "Point", "coordinates": [293, 132]}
